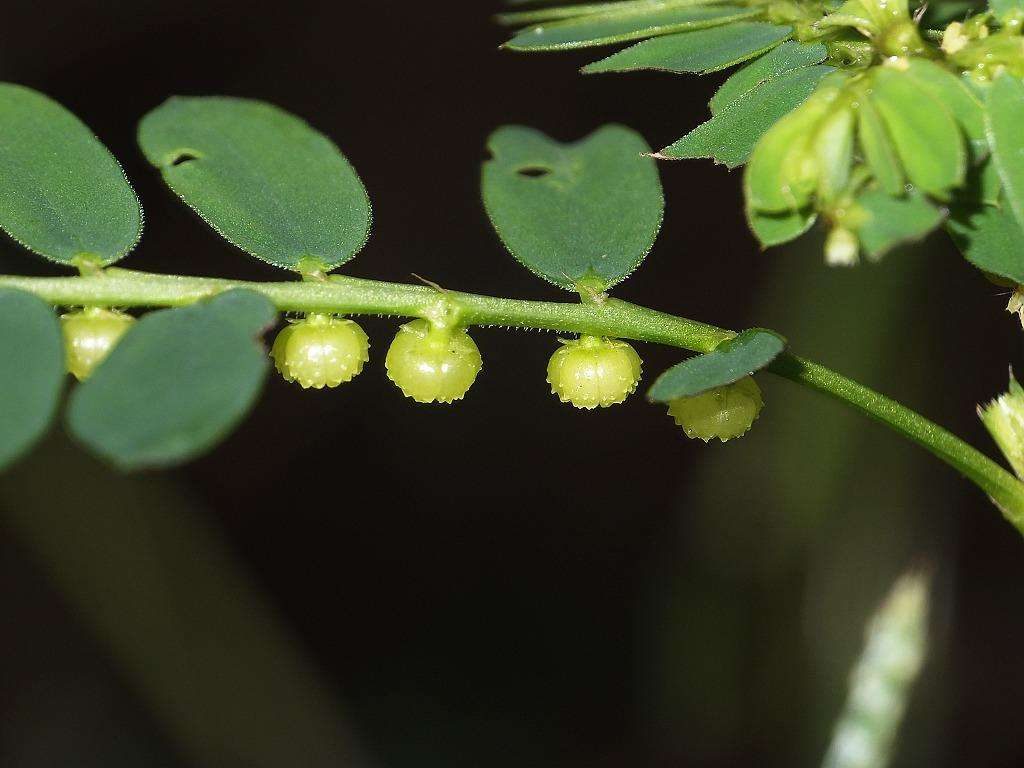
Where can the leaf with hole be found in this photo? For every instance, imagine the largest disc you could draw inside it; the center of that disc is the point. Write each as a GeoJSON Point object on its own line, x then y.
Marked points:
{"type": "Point", "coordinates": [176, 384]}
{"type": "Point", "coordinates": [777, 62]}
{"type": "Point", "coordinates": [731, 134]}
{"type": "Point", "coordinates": [729, 362]}
{"type": "Point", "coordinates": [262, 178]}
{"type": "Point", "coordinates": [31, 373]}
{"type": "Point", "coordinates": [700, 51]}
{"type": "Point", "coordinates": [605, 29]}
{"type": "Point", "coordinates": [887, 221]}
{"type": "Point", "coordinates": [1004, 125]}
{"type": "Point", "coordinates": [989, 238]}
{"type": "Point", "coordinates": [927, 139]}
{"type": "Point", "coordinates": [63, 195]}
{"type": "Point", "coordinates": [568, 212]}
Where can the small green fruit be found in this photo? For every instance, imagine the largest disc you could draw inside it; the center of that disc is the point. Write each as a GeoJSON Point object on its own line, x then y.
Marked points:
{"type": "Point", "coordinates": [89, 335]}
{"type": "Point", "coordinates": [433, 364]}
{"type": "Point", "coordinates": [320, 351]}
{"type": "Point", "coordinates": [594, 371]}
{"type": "Point", "coordinates": [724, 412]}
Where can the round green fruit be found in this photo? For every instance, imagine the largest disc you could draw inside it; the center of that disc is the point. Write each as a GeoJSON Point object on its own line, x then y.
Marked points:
{"type": "Point", "coordinates": [724, 412]}
{"type": "Point", "coordinates": [433, 364]}
{"type": "Point", "coordinates": [320, 351]}
{"type": "Point", "coordinates": [592, 371]}
{"type": "Point", "coordinates": [89, 335]}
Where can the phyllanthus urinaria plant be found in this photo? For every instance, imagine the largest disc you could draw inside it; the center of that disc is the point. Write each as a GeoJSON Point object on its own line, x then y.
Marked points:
{"type": "Point", "coordinates": [871, 119]}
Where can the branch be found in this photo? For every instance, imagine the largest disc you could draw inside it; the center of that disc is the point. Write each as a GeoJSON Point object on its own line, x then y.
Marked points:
{"type": "Point", "coordinates": [611, 317]}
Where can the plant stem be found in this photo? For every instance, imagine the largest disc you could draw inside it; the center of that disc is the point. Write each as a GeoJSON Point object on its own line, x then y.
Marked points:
{"type": "Point", "coordinates": [618, 319]}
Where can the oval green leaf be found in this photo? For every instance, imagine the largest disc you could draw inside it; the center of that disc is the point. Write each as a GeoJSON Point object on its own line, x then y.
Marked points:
{"type": "Point", "coordinates": [730, 361]}
{"type": "Point", "coordinates": [62, 194]}
{"type": "Point", "coordinates": [262, 178]}
{"type": "Point", "coordinates": [701, 51]}
{"type": "Point", "coordinates": [731, 134]}
{"type": "Point", "coordinates": [177, 383]}
{"type": "Point", "coordinates": [605, 29]}
{"type": "Point", "coordinates": [927, 139]}
{"type": "Point", "coordinates": [1004, 125]}
{"type": "Point", "coordinates": [777, 228]}
{"type": "Point", "coordinates": [877, 148]}
{"type": "Point", "coordinates": [887, 221]}
{"type": "Point", "coordinates": [590, 209]}
{"type": "Point", "coordinates": [31, 373]}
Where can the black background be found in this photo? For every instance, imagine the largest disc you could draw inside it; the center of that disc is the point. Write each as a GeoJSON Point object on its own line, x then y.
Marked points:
{"type": "Point", "coordinates": [491, 561]}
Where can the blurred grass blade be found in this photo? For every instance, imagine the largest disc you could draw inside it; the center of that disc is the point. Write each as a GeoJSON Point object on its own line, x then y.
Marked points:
{"type": "Point", "coordinates": [881, 681]}
{"type": "Point", "coordinates": [588, 210]}
{"type": "Point", "coordinates": [699, 52]}
{"type": "Point", "coordinates": [262, 178]}
{"type": "Point", "coordinates": [177, 383]}
{"type": "Point", "coordinates": [31, 371]}
{"type": "Point", "coordinates": [606, 29]}
{"type": "Point", "coordinates": [62, 194]}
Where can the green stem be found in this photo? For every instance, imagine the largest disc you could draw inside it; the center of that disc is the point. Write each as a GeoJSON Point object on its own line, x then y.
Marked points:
{"type": "Point", "coordinates": [619, 319]}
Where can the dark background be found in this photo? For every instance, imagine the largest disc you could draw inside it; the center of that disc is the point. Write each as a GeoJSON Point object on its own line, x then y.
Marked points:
{"type": "Point", "coordinates": [507, 581]}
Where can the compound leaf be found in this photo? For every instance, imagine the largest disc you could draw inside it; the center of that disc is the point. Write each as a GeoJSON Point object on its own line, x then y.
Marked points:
{"type": "Point", "coordinates": [700, 51]}
{"type": "Point", "coordinates": [31, 373]}
{"type": "Point", "coordinates": [262, 178]}
{"type": "Point", "coordinates": [729, 362]}
{"type": "Point", "coordinates": [176, 384]}
{"type": "Point", "coordinates": [568, 212]}
{"type": "Point", "coordinates": [730, 135]}
{"type": "Point", "coordinates": [608, 28]}
{"type": "Point", "coordinates": [1004, 124]}
{"type": "Point", "coordinates": [62, 194]}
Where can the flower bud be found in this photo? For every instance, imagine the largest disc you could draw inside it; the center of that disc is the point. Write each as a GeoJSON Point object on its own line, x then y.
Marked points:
{"type": "Point", "coordinates": [320, 351]}
{"type": "Point", "coordinates": [432, 363]}
{"type": "Point", "coordinates": [1004, 419]}
{"type": "Point", "coordinates": [89, 335]}
{"type": "Point", "coordinates": [724, 412]}
{"type": "Point", "coordinates": [592, 371]}
{"type": "Point", "coordinates": [841, 248]}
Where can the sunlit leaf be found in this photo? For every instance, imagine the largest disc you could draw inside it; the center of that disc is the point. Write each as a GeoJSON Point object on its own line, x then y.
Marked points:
{"type": "Point", "coordinates": [176, 384]}
{"type": "Point", "coordinates": [730, 135]}
{"type": "Point", "coordinates": [779, 61]}
{"type": "Point", "coordinates": [1004, 124]}
{"type": "Point", "coordinates": [31, 371]}
{"type": "Point", "coordinates": [730, 361]}
{"type": "Point", "coordinates": [605, 29]}
{"type": "Point", "coordinates": [62, 194]}
{"type": "Point", "coordinates": [927, 139]}
{"type": "Point", "coordinates": [589, 209]}
{"type": "Point", "coordinates": [700, 51]}
{"type": "Point", "coordinates": [262, 178]}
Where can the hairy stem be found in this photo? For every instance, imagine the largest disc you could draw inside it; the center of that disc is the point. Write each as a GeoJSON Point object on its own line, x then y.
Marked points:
{"type": "Point", "coordinates": [619, 319]}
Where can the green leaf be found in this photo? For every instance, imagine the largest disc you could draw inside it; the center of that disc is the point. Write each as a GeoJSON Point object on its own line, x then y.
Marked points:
{"type": "Point", "coordinates": [779, 61]}
{"type": "Point", "coordinates": [730, 135]}
{"type": "Point", "coordinates": [31, 371]}
{"type": "Point", "coordinates": [176, 384]}
{"type": "Point", "coordinates": [262, 178]}
{"type": "Point", "coordinates": [700, 51]}
{"type": "Point", "coordinates": [1002, 8]}
{"type": "Point", "coordinates": [1004, 124]}
{"type": "Point", "coordinates": [568, 212]}
{"type": "Point", "coordinates": [889, 221]}
{"type": "Point", "coordinates": [62, 194]}
{"type": "Point", "coordinates": [730, 361]}
{"type": "Point", "coordinates": [962, 102]}
{"type": "Point", "coordinates": [879, 152]}
{"type": "Point", "coordinates": [991, 239]}
{"type": "Point", "coordinates": [778, 228]}
{"type": "Point", "coordinates": [559, 12]}
{"type": "Point", "coordinates": [927, 139]}
{"type": "Point", "coordinates": [782, 172]}
{"type": "Point", "coordinates": [605, 29]}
